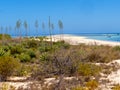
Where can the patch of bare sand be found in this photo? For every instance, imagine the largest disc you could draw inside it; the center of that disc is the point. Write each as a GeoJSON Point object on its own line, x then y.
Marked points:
{"type": "Point", "coordinates": [76, 40]}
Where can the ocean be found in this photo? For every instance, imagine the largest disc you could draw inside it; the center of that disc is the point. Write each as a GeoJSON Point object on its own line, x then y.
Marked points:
{"type": "Point", "coordinates": [114, 37]}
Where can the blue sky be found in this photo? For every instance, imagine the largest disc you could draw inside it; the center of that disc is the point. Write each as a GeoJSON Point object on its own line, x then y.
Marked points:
{"type": "Point", "coordinates": [78, 16]}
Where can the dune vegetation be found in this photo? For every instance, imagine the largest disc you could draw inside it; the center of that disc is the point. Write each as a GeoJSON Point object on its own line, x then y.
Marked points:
{"type": "Point", "coordinates": [37, 60]}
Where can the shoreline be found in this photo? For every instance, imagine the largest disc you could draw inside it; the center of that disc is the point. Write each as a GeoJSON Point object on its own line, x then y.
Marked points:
{"type": "Point", "coordinates": [76, 40]}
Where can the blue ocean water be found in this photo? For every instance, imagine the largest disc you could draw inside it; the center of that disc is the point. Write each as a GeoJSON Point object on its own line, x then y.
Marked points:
{"type": "Point", "coordinates": [114, 37]}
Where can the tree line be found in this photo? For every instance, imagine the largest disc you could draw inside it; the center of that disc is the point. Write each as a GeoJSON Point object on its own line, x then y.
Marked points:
{"type": "Point", "coordinates": [18, 30]}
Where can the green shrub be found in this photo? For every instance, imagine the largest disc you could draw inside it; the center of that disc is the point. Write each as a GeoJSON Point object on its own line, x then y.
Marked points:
{"type": "Point", "coordinates": [6, 48]}
{"type": "Point", "coordinates": [2, 52]}
{"type": "Point", "coordinates": [24, 57]}
{"type": "Point", "coordinates": [99, 54]}
{"type": "Point", "coordinates": [45, 57]}
{"type": "Point", "coordinates": [66, 46]}
{"type": "Point", "coordinates": [18, 49]}
{"type": "Point", "coordinates": [62, 44]}
{"type": "Point", "coordinates": [85, 69]}
{"type": "Point", "coordinates": [24, 70]}
{"type": "Point", "coordinates": [31, 53]}
{"type": "Point", "coordinates": [5, 36]}
{"type": "Point", "coordinates": [117, 48]}
{"type": "Point", "coordinates": [7, 66]}
{"type": "Point", "coordinates": [92, 85]}
{"type": "Point", "coordinates": [32, 43]}
{"type": "Point", "coordinates": [45, 48]}
{"type": "Point", "coordinates": [93, 56]}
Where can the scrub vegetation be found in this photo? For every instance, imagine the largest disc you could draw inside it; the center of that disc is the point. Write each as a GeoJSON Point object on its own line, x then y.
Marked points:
{"type": "Point", "coordinates": [38, 60]}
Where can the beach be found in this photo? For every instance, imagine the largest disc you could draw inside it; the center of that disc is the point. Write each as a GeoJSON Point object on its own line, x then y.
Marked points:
{"type": "Point", "coordinates": [76, 40]}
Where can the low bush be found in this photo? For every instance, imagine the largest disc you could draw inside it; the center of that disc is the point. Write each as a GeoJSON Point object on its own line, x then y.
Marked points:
{"type": "Point", "coordinates": [5, 48]}
{"type": "Point", "coordinates": [5, 36]}
{"type": "Point", "coordinates": [32, 44]}
{"type": "Point", "coordinates": [23, 70]}
{"type": "Point", "coordinates": [87, 69]}
{"type": "Point", "coordinates": [2, 52]}
{"type": "Point", "coordinates": [8, 65]}
{"type": "Point", "coordinates": [24, 57]}
{"type": "Point", "coordinates": [45, 48]}
{"type": "Point", "coordinates": [45, 57]}
{"type": "Point", "coordinates": [31, 53]}
{"type": "Point", "coordinates": [99, 54]}
{"type": "Point", "coordinates": [17, 49]}
{"type": "Point", "coordinates": [92, 85]}
{"type": "Point", "coordinates": [117, 48]}
{"type": "Point", "coordinates": [62, 44]}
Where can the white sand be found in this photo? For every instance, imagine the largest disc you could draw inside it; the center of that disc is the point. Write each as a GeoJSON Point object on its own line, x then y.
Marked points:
{"type": "Point", "coordinates": [76, 40]}
{"type": "Point", "coordinates": [114, 77]}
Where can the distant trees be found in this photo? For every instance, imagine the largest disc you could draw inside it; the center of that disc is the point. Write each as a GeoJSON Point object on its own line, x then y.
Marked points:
{"type": "Point", "coordinates": [50, 31]}
{"type": "Point", "coordinates": [6, 29]}
{"type": "Point", "coordinates": [52, 26]}
{"type": "Point", "coordinates": [60, 24]}
{"type": "Point", "coordinates": [1, 29]}
{"type": "Point", "coordinates": [9, 29]}
{"type": "Point", "coordinates": [18, 26]}
{"type": "Point", "coordinates": [26, 27]}
{"type": "Point", "coordinates": [36, 26]}
{"type": "Point", "coordinates": [43, 25]}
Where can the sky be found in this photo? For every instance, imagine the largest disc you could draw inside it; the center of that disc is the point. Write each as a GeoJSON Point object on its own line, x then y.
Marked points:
{"type": "Point", "coordinates": [78, 16]}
